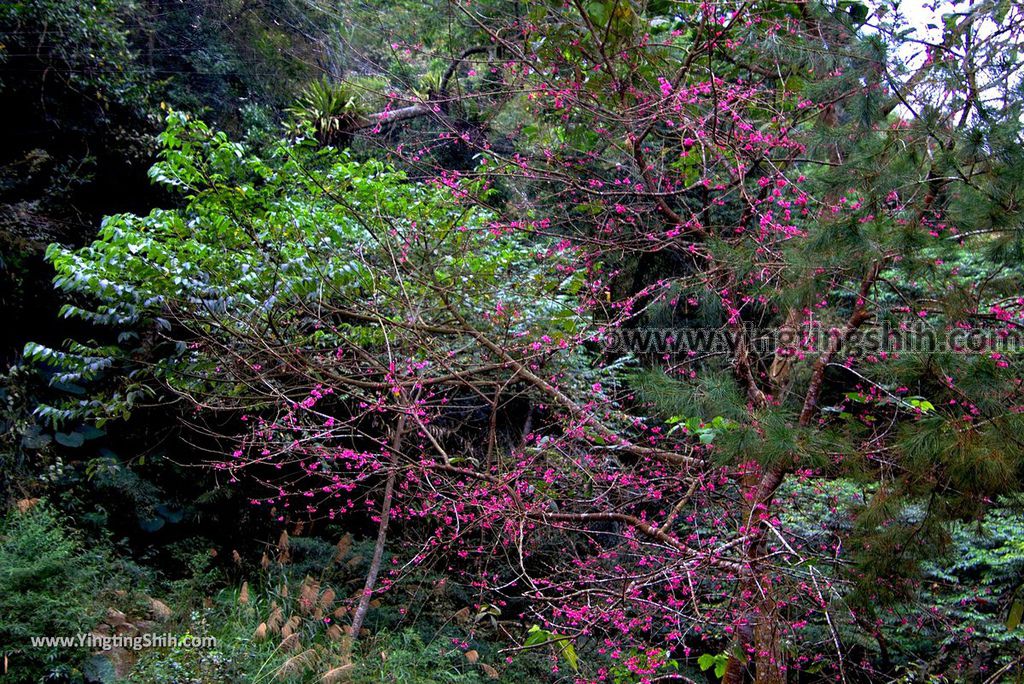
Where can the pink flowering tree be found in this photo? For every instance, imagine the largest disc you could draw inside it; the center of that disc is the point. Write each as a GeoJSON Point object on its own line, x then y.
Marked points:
{"type": "Point", "coordinates": [437, 352]}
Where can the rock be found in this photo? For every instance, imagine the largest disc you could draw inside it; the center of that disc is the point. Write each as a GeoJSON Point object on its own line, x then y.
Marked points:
{"type": "Point", "coordinates": [115, 618]}
{"type": "Point", "coordinates": [122, 660]}
{"type": "Point", "coordinates": [159, 610]}
{"type": "Point", "coordinates": [127, 629]}
{"type": "Point", "coordinates": [100, 668]}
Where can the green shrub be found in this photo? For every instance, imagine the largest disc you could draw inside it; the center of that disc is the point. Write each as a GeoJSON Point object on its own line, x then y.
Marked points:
{"type": "Point", "coordinates": [404, 657]}
{"type": "Point", "coordinates": [282, 629]}
{"type": "Point", "coordinates": [48, 587]}
{"type": "Point", "coordinates": [187, 664]}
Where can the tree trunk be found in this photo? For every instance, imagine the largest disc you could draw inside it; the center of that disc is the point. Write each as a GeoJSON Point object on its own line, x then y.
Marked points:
{"type": "Point", "coordinates": [769, 659]}
{"type": "Point", "coordinates": [382, 533]}
{"type": "Point", "coordinates": [757, 632]}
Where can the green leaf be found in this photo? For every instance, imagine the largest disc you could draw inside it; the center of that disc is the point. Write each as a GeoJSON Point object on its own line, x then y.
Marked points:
{"type": "Point", "coordinates": [90, 432]}
{"type": "Point", "coordinates": [721, 664]}
{"type": "Point", "coordinates": [73, 439]}
{"type": "Point", "coordinates": [1013, 620]}
{"type": "Point", "coordinates": [151, 524]}
{"type": "Point", "coordinates": [172, 514]}
{"type": "Point", "coordinates": [1002, 9]}
{"type": "Point", "coordinates": [569, 653]}
{"type": "Point", "coordinates": [536, 635]}
{"type": "Point", "coordinates": [858, 12]}
{"type": "Point", "coordinates": [69, 387]}
{"type": "Point", "coordinates": [35, 438]}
